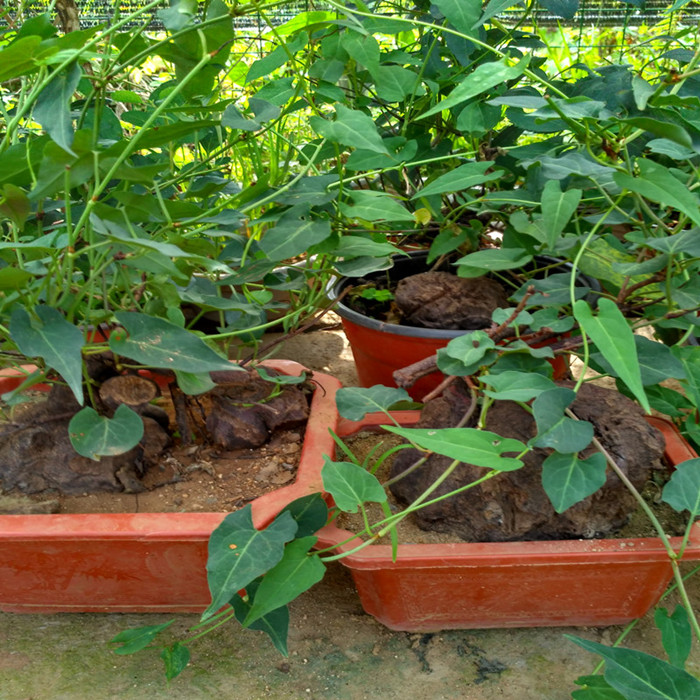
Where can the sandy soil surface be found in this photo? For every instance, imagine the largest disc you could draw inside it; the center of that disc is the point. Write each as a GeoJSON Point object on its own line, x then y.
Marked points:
{"type": "Point", "coordinates": [187, 479]}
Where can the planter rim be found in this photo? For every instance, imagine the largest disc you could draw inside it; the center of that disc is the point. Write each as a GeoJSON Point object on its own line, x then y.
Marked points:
{"type": "Point", "coordinates": [468, 554]}
{"type": "Point", "coordinates": [346, 312]}
{"type": "Point", "coordinates": [478, 554]}
{"type": "Point", "coordinates": [393, 328]}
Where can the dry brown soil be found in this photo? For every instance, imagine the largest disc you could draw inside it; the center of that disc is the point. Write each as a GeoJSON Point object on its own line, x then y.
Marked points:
{"type": "Point", "coordinates": [194, 478]}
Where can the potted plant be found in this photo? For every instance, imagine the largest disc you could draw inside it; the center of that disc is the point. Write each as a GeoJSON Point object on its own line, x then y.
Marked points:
{"type": "Point", "coordinates": [476, 584]}
{"type": "Point", "coordinates": [128, 212]}
{"type": "Point", "coordinates": [480, 128]}
{"type": "Point", "coordinates": [138, 562]}
{"type": "Point", "coordinates": [253, 574]}
{"type": "Point", "coordinates": [399, 317]}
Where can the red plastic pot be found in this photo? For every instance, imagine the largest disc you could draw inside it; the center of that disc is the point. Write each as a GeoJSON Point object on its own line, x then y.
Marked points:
{"type": "Point", "coordinates": [144, 562]}
{"type": "Point", "coordinates": [380, 348]}
{"type": "Point", "coordinates": [430, 587]}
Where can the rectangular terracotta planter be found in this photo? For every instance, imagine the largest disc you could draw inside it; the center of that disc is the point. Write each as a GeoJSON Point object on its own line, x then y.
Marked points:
{"type": "Point", "coordinates": [516, 584]}
{"type": "Point", "coordinates": [146, 562]}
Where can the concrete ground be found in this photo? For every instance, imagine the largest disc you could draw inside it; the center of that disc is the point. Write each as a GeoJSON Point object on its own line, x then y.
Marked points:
{"type": "Point", "coordinates": [336, 653]}
{"type": "Point", "coordinates": [336, 650]}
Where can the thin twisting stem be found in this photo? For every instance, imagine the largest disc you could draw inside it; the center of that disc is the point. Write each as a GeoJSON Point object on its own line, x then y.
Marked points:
{"type": "Point", "coordinates": [672, 554]}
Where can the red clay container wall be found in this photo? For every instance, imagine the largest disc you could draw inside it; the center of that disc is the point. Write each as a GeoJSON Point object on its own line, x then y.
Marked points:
{"type": "Point", "coordinates": [515, 584]}
{"type": "Point", "coordinates": [145, 562]}
{"type": "Point", "coordinates": [378, 353]}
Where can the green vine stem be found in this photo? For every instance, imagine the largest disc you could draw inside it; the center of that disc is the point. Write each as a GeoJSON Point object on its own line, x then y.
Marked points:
{"type": "Point", "coordinates": [673, 556]}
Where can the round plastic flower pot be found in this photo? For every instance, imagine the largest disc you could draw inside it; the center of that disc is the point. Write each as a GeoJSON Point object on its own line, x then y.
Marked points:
{"type": "Point", "coordinates": [138, 562]}
{"type": "Point", "coordinates": [380, 348]}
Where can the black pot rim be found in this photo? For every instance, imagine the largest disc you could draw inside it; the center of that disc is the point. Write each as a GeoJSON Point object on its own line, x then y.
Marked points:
{"type": "Point", "coordinates": [345, 312]}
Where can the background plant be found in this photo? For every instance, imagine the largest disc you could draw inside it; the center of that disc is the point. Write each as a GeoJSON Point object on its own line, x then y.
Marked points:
{"type": "Point", "coordinates": [121, 208]}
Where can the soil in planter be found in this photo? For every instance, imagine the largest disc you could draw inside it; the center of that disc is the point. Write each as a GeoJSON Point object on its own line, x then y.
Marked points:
{"type": "Point", "coordinates": [409, 531]}
{"type": "Point", "coordinates": [433, 299]}
{"type": "Point", "coordinates": [243, 439]}
{"type": "Point", "coordinates": [514, 506]}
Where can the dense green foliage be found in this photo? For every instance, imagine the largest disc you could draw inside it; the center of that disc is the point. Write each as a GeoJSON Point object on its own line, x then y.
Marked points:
{"type": "Point", "coordinates": [148, 180]}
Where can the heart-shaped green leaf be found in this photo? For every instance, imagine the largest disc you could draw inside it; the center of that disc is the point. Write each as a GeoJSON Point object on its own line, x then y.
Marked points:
{"type": "Point", "coordinates": [374, 206]}
{"type": "Point", "coordinates": [483, 261]}
{"type": "Point", "coordinates": [640, 676]}
{"type": "Point", "coordinates": [484, 77]}
{"type": "Point", "coordinates": [676, 634]}
{"type": "Point", "coordinates": [309, 512]}
{"type": "Point", "coordinates": [464, 354]}
{"type": "Point", "coordinates": [350, 485]}
{"type": "Point", "coordinates": [18, 57]}
{"type": "Point", "coordinates": [682, 492]}
{"type": "Point", "coordinates": [275, 624]}
{"type": "Point", "coordinates": [14, 204]}
{"type": "Point", "coordinates": [133, 640]}
{"type": "Point", "coordinates": [470, 348]}
{"type": "Point", "coordinates": [516, 386]}
{"type": "Point", "coordinates": [657, 184]}
{"type": "Point", "coordinates": [354, 403]}
{"type": "Point", "coordinates": [363, 48]}
{"type": "Point", "coordinates": [394, 83]}
{"type": "Point", "coordinates": [467, 175]}
{"type": "Point", "coordinates": [156, 342]}
{"type": "Point", "coordinates": [351, 128]}
{"type": "Point", "coordinates": [277, 57]}
{"type": "Point", "coordinates": [567, 479]}
{"type": "Point", "coordinates": [296, 572]}
{"type": "Point", "coordinates": [93, 435]}
{"type": "Point", "coordinates": [595, 687]}
{"type": "Point", "coordinates": [52, 109]}
{"type": "Point", "coordinates": [58, 342]}
{"type": "Point", "coordinates": [239, 553]}
{"type": "Point", "coordinates": [656, 362]}
{"type": "Point", "coordinates": [233, 119]}
{"type": "Point", "coordinates": [194, 384]}
{"type": "Point", "coordinates": [612, 335]}
{"type": "Point", "coordinates": [175, 657]}
{"type": "Point", "coordinates": [554, 428]}
{"type": "Point", "coordinates": [557, 209]}
{"type": "Point", "coordinates": [462, 14]}
{"type": "Point", "coordinates": [293, 236]}
{"type": "Point", "coordinates": [685, 241]}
